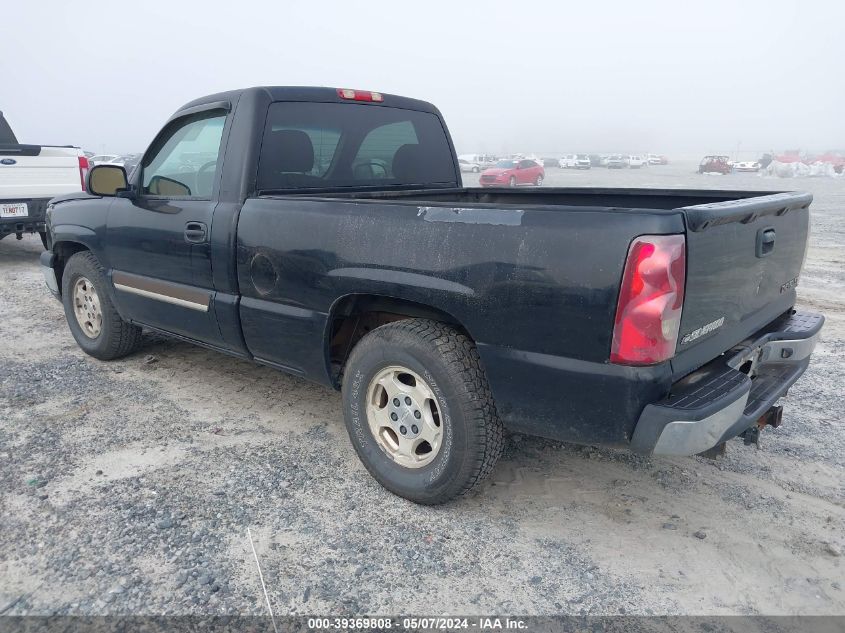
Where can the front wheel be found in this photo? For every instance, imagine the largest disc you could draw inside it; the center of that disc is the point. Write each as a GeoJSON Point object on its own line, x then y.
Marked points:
{"type": "Point", "coordinates": [539, 181]}
{"type": "Point", "coordinates": [419, 411]}
{"type": "Point", "coordinates": [512, 182]}
{"type": "Point", "coordinates": [93, 320]}
{"type": "Point", "coordinates": [475, 170]}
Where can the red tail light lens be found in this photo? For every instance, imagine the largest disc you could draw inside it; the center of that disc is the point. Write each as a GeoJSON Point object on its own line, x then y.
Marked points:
{"type": "Point", "coordinates": [83, 170]}
{"type": "Point", "coordinates": [648, 313]}
{"type": "Point", "coordinates": [359, 95]}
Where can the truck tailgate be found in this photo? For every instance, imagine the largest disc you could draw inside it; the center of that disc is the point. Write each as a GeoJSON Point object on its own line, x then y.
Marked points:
{"type": "Point", "coordinates": [33, 171]}
{"type": "Point", "coordinates": [743, 261]}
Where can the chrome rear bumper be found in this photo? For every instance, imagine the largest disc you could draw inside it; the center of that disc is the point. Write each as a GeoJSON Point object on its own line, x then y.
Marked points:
{"type": "Point", "coordinates": [728, 396]}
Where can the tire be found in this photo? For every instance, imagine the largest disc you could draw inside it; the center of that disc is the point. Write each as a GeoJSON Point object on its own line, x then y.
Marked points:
{"type": "Point", "coordinates": [512, 181]}
{"type": "Point", "coordinates": [539, 181]}
{"type": "Point", "coordinates": [43, 236]}
{"type": "Point", "coordinates": [114, 338]}
{"type": "Point", "coordinates": [475, 170]}
{"type": "Point", "coordinates": [471, 433]}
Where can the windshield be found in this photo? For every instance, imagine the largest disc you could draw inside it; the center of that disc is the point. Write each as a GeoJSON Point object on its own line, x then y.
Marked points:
{"type": "Point", "coordinates": [329, 145]}
{"type": "Point", "coordinates": [506, 164]}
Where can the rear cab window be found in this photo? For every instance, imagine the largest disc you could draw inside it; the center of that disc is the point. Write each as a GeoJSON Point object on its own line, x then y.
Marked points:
{"type": "Point", "coordinates": [309, 145]}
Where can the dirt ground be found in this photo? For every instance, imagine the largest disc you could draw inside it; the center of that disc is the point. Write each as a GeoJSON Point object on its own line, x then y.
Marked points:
{"type": "Point", "coordinates": [134, 486]}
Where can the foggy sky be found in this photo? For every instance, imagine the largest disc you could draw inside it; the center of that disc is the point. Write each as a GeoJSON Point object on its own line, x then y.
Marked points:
{"type": "Point", "coordinates": [684, 77]}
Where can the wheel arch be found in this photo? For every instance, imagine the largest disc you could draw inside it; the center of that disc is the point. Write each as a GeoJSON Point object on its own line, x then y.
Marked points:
{"type": "Point", "coordinates": [352, 316]}
{"type": "Point", "coordinates": [63, 250]}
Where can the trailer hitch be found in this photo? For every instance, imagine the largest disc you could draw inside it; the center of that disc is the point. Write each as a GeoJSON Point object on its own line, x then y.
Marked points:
{"type": "Point", "coordinates": [773, 418]}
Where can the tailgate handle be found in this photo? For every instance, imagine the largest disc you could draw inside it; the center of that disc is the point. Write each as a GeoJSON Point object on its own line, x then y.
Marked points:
{"type": "Point", "coordinates": [765, 241]}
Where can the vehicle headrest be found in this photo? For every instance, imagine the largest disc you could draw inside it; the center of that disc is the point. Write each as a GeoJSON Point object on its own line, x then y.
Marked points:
{"type": "Point", "coordinates": [291, 151]}
{"type": "Point", "coordinates": [407, 161]}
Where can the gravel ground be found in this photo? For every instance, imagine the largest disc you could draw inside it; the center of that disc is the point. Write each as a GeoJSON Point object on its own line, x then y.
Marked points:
{"type": "Point", "coordinates": [139, 486]}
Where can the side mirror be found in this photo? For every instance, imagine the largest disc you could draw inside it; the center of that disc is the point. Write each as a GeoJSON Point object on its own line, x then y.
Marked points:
{"type": "Point", "coordinates": [163, 186]}
{"type": "Point", "coordinates": [106, 180]}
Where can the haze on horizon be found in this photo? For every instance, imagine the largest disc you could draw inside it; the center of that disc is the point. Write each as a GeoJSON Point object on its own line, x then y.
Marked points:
{"type": "Point", "coordinates": [546, 77]}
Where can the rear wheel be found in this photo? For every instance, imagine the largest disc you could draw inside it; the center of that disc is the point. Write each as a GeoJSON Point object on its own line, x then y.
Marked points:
{"type": "Point", "coordinates": [419, 411]}
{"type": "Point", "coordinates": [512, 181]}
{"type": "Point", "coordinates": [93, 320]}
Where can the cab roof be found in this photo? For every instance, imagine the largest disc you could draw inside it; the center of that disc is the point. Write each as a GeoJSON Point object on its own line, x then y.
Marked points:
{"type": "Point", "coordinates": [308, 93]}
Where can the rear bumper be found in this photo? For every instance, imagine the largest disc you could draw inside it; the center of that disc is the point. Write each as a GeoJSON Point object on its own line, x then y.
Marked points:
{"type": "Point", "coordinates": [728, 396]}
{"type": "Point", "coordinates": [34, 222]}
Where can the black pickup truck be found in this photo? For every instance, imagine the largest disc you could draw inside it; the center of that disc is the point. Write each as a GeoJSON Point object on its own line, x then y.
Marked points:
{"type": "Point", "coordinates": [326, 233]}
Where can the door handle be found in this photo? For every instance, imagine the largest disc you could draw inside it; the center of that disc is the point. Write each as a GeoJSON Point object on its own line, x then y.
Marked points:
{"type": "Point", "coordinates": [195, 232]}
{"type": "Point", "coordinates": [765, 241]}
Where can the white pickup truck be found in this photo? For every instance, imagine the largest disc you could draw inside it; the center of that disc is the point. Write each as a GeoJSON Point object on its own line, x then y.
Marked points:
{"type": "Point", "coordinates": [30, 176]}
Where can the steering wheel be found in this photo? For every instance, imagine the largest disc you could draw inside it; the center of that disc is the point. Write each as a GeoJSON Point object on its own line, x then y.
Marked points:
{"type": "Point", "coordinates": [212, 163]}
{"type": "Point", "coordinates": [371, 165]}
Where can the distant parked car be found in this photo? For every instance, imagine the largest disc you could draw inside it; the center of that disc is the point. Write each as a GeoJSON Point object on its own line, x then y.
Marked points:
{"type": "Point", "coordinates": [595, 160]}
{"type": "Point", "coordinates": [551, 162]}
{"type": "Point", "coordinates": [747, 165]}
{"type": "Point", "coordinates": [482, 160]}
{"type": "Point", "coordinates": [635, 161]}
{"type": "Point", "coordinates": [567, 161]}
{"type": "Point", "coordinates": [575, 161]}
{"type": "Point", "coordinates": [582, 161]}
{"type": "Point", "coordinates": [616, 161]}
{"type": "Point", "coordinates": [512, 172]}
{"type": "Point", "coordinates": [715, 164]}
{"type": "Point", "coordinates": [657, 159]}
{"type": "Point", "coordinates": [99, 159]}
{"type": "Point", "coordinates": [467, 166]}
{"type": "Point", "coordinates": [130, 161]}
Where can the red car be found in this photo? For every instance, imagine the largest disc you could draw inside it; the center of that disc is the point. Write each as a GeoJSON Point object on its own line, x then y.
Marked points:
{"type": "Point", "coordinates": [513, 172]}
{"type": "Point", "coordinates": [715, 165]}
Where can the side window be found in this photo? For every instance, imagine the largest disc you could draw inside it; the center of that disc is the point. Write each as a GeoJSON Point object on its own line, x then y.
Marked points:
{"type": "Point", "coordinates": [376, 154]}
{"type": "Point", "coordinates": [183, 162]}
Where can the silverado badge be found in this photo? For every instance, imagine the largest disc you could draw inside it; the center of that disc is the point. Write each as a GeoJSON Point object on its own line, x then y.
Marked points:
{"type": "Point", "coordinates": [789, 285]}
{"type": "Point", "coordinates": [704, 329]}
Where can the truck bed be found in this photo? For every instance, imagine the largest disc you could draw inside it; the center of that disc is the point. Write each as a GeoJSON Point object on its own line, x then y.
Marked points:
{"type": "Point", "coordinates": [604, 198]}
{"type": "Point", "coordinates": [533, 275]}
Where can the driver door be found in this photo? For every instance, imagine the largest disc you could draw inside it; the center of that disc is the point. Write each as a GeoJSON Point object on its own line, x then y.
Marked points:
{"type": "Point", "coordinates": [523, 173]}
{"type": "Point", "coordinates": [158, 242]}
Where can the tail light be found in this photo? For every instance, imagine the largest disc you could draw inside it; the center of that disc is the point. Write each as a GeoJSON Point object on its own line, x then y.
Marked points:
{"type": "Point", "coordinates": [83, 170]}
{"type": "Point", "coordinates": [359, 95]}
{"type": "Point", "coordinates": [648, 313]}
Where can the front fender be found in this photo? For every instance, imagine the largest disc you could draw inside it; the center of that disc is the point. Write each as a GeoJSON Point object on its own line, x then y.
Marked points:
{"type": "Point", "coordinates": [74, 233]}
